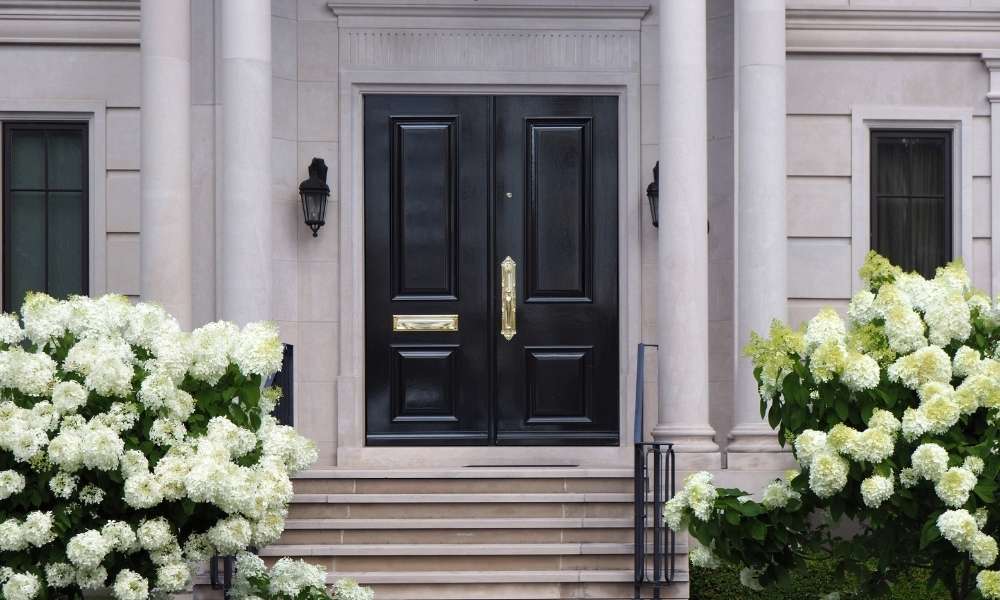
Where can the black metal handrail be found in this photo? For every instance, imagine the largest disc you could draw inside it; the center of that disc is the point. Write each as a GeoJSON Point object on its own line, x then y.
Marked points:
{"type": "Point", "coordinates": [660, 479]}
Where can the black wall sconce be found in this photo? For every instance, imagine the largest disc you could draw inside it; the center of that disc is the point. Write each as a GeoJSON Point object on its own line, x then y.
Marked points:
{"type": "Point", "coordinates": [653, 193]}
{"type": "Point", "coordinates": [315, 192]}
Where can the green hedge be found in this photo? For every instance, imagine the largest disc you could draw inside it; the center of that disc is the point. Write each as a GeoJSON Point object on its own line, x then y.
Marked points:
{"type": "Point", "coordinates": [724, 584]}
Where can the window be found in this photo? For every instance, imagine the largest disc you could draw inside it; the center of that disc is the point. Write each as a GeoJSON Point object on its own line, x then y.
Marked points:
{"type": "Point", "coordinates": [911, 192]}
{"type": "Point", "coordinates": [45, 245]}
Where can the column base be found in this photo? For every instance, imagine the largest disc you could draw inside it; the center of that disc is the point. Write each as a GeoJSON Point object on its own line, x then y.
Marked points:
{"type": "Point", "coordinates": [754, 447]}
{"type": "Point", "coordinates": [694, 446]}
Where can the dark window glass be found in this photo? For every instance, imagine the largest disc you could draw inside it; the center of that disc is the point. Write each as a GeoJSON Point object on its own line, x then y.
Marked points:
{"type": "Point", "coordinates": [45, 245]}
{"type": "Point", "coordinates": [911, 218]}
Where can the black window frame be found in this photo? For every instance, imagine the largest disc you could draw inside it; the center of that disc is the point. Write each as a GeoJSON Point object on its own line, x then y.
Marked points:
{"type": "Point", "coordinates": [947, 136]}
{"type": "Point", "coordinates": [47, 127]}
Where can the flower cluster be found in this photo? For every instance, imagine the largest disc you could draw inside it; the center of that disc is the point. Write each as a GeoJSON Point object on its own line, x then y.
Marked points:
{"type": "Point", "coordinates": [894, 418]}
{"type": "Point", "coordinates": [289, 580]}
{"type": "Point", "coordinates": [131, 450]}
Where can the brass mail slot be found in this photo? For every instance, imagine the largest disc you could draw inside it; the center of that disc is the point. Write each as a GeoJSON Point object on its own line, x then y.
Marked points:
{"type": "Point", "coordinates": [425, 322]}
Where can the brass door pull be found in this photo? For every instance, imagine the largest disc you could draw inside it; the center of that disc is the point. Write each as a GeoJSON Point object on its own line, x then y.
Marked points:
{"type": "Point", "coordinates": [508, 298]}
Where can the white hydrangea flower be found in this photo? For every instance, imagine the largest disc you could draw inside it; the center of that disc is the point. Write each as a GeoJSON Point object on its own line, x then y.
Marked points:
{"type": "Point", "coordinates": [958, 527]}
{"type": "Point", "coordinates": [11, 536]}
{"type": "Point", "coordinates": [982, 515]}
{"type": "Point", "coordinates": [908, 477]}
{"type": "Point", "coordinates": [59, 575]}
{"type": "Point", "coordinates": [91, 578]}
{"type": "Point", "coordinates": [947, 317]}
{"type": "Point", "coordinates": [983, 550]}
{"type": "Point", "coordinates": [259, 350]}
{"type": "Point", "coordinates": [826, 326]}
{"type": "Point", "coordinates": [37, 528]}
{"type": "Point", "coordinates": [930, 461]}
{"type": "Point", "coordinates": [87, 549]}
{"type": "Point", "coordinates": [230, 535]}
{"type": "Point", "coordinates": [808, 444]}
{"type": "Point", "coordinates": [211, 346]}
{"type": "Point", "coordinates": [938, 406]}
{"type": "Point", "coordinates": [348, 589]}
{"type": "Point", "coordinates": [11, 483]}
{"type": "Point", "coordinates": [884, 419]}
{"type": "Point", "coordinates": [102, 448]}
{"type": "Point", "coordinates": [44, 318]}
{"type": "Point", "coordinates": [21, 586]}
{"type": "Point", "coordinates": [954, 486]}
{"type": "Point", "coordinates": [133, 463]}
{"type": "Point", "coordinates": [119, 536]}
{"type": "Point", "coordinates": [872, 445]}
{"type": "Point", "coordinates": [289, 577]}
{"type": "Point", "coordinates": [173, 577]}
{"type": "Point", "coordinates": [701, 494]}
{"type": "Point", "coordinates": [904, 329]}
{"type": "Point", "coordinates": [63, 485]}
{"type": "Point", "coordinates": [167, 431]}
{"type": "Point", "coordinates": [143, 491]}
{"type": "Point", "coordinates": [915, 424]}
{"type": "Point", "coordinates": [925, 365]}
{"type": "Point", "coordinates": [988, 584]}
{"type": "Point", "coordinates": [966, 362]}
{"type": "Point", "coordinates": [155, 534]}
{"type": "Point", "coordinates": [777, 494]}
{"type": "Point", "coordinates": [861, 309]}
{"type": "Point", "coordinates": [197, 548]}
{"type": "Point", "coordinates": [974, 464]}
{"type": "Point", "coordinates": [91, 494]}
{"type": "Point", "coordinates": [10, 330]}
{"type": "Point", "coordinates": [129, 585]}
{"type": "Point", "coordinates": [827, 474]}
{"type": "Point", "coordinates": [68, 396]}
{"type": "Point", "coordinates": [861, 372]}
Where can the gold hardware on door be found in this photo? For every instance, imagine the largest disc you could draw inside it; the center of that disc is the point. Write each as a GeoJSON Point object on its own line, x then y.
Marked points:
{"type": "Point", "coordinates": [425, 322]}
{"type": "Point", "coordinates": [508, 298]}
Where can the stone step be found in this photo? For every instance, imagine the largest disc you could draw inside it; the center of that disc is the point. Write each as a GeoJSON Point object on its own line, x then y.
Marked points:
{"type": "Point", "coordinates": [300, 550]}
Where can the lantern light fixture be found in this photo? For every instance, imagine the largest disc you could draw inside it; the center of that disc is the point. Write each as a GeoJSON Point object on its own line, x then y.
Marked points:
{"type": "Point", "coordinates": [314, 193]}
{"type": "Point", "coordinates": [653, 193]}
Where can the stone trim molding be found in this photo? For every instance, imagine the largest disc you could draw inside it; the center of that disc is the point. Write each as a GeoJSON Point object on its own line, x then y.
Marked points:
{"type": "Point", "coordinates": [601, 10]}
{"type": "Point", "coordinates": [77, 22]}
{"type": "Point", "coordinates": [992, 62]}
{"type": "Point", "coordinates": [957, 119]}
{"type": "Point", "coordinates": [892, 31]}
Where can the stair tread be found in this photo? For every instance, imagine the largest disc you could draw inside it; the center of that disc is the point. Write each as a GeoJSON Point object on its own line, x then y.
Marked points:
{"type": "Point", "coordinates": [498, 472]}
{"type": "Point", "coordinates": [469, 549]}
{"type": "Point", "coordinates": [457, 577]}
{"type": "Point", "coordinates": [462, 523]}
{"type": "Point", "coordinates": [445, 497]}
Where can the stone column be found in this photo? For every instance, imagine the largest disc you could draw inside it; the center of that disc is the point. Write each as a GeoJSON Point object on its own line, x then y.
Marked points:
{"type": "Point", "coordinates": [246, 161]}
{"type": "Point", "coordinates": [165, 162]}
{"type": "Point", "coordinates": [761, 272]}
{"type": "Point", "coordinates": [682, 304]}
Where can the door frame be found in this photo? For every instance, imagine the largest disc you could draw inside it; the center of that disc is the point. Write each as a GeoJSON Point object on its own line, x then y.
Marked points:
{"type": "Point", "coordinates": [372, 70]}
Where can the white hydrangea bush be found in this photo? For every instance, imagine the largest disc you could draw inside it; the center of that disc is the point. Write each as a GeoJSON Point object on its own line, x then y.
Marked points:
{"type": "Point", "coordinates": [131, 450]}
{"type": "Point", "coordinates": [894, 418]}
{"type": "Point", "coordinates": [290, 580]}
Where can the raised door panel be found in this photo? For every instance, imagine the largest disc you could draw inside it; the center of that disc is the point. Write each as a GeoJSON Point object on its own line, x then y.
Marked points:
{"type": "Point", "coordinates": [557, 175]}
{"type": "Point", "coordinates": [426, 192]}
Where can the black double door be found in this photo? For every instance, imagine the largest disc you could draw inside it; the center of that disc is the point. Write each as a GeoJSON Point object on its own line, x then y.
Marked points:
{"type": "Point", "coordinates": [491, 270]}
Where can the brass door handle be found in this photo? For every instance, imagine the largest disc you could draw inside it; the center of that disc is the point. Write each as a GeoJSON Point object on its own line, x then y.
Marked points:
{"type": "Point", "coordinates": [508, 298]}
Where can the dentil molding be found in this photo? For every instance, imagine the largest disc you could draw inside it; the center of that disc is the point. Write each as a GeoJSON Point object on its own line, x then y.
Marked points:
{"type": "Point", "coordinates": [91, 22]}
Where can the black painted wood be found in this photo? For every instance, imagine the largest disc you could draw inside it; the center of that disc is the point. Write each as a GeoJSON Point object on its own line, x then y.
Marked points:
{"type": "Point", "coordinates": [557, 380]}
{"type": "Point", "coordinates": [438, 222]}
{"type": "Point", "coordinates": [426, 200]}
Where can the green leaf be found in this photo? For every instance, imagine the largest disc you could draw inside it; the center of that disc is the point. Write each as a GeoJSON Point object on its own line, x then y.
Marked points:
{"type": "Point", "coordinates": [758, 530]}
{"type": "Point", "coordinates": [929, 533]}
{"type": "Point", "coordinates": [985, 489]}
{"type": "Point", "coordinates": [842, 408]}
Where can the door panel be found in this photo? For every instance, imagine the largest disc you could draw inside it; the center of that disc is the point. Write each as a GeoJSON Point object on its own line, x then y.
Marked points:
{"type": "Point", "coordinates": [557, 217]}
{"type": "Point", "coordinates": [426, 199]}
{"type": "Point", "coordinates": [453, 185]}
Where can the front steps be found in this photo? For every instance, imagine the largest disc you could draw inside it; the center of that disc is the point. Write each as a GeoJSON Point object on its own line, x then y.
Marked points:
{"type": "Point", "coordinates": [469, 534]}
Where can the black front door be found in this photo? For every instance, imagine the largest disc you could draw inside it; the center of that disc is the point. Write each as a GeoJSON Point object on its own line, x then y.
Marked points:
{"type": "Point", "coordinates": [491, 270]}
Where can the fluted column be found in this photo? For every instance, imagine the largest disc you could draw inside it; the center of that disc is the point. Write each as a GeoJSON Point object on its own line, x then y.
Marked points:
{"type": "Point", "coordinates": [165, 161]}
{"type": "Point", "coordinates": [246, 160]}
{"type": "Point", "coordinates": [682, 305]}
{"type": "Point", "coordinates": [761, 280]}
